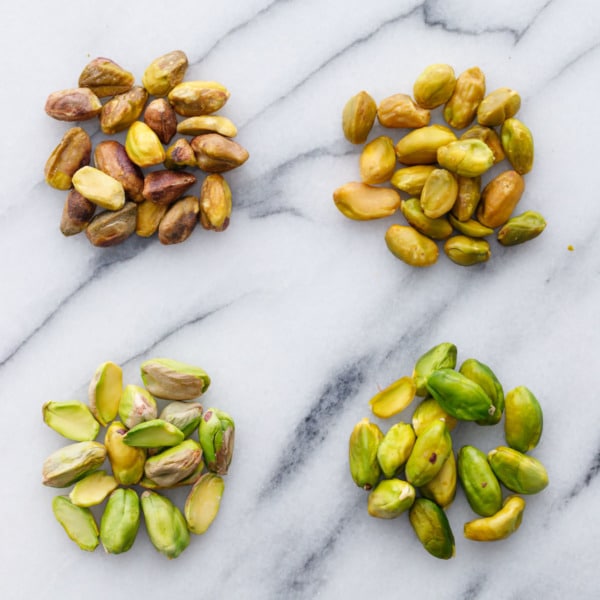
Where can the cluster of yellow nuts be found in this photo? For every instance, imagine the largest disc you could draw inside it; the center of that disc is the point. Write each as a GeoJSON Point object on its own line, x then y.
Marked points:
{"type": "Point", "coordinates": [134, 201]}
{"type": "Point", "coordinates": [156, 451]}
{"type": "Point", "coordinates": [442, 174]}
{"type": "Point", "coordinates": [418, 457]}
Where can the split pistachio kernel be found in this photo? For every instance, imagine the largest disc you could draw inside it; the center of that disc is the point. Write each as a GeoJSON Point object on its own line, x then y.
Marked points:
{"type": "Point", "coordinates": [72, 419]}
{"type": "Point", "coordinates": [203, 503]}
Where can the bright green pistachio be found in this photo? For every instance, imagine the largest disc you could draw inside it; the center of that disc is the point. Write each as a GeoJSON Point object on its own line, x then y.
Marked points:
{"type": "Point", "coordinates": [442, 488]}
{"type": "Point", "coordinates": [470, 228]}
{"type": "Point", "coordinates": [127, 462]}
{"type": "Point", "coordinates": [78, 522]}
{"type": "Point", "coordinates": [69, 464]}
{"type": "Point", "coordinates": [479, 482]}
{"type": "Point", "coordinates": [481, 374]}
{"type": "Point", "coordinates": [174, 380]}
{"type": "Point", "coordinates": [217, 436]}
{"type": "Point", "coordinates": [432, 528]}
{"type": "Point", "coordinates": [104, 392]}
{"type": "Point", "coordinates": [524, 419]}
{"type": "Point", "coordinates": [522, 228]}
{"type": "Point", "coordinates": [499, 526]}
{"type": "Point", "coordinates": [428, 411]}
{"type": "Point", "coordinates": [390, 499]}
{"type": "Point", "coordinates": [469, 158]}
{"type": "Point", "coordinates": [203, 502]}
{"type": "Point", "coordinates": [185, 416]}
{"type": "Point", "coordinates": [170, 466]}
{"type": "Point", "coordinates": [120, 521]}
{"type": "Point", "coordinates": [362, 451]}
{"type": "Point", "coordinates": [429, 453]}
{"type": "Point", "coordinates": [72, 419]}
{"type": "Point", "coordinates": [437, 229]}
{"type": "Point", "coordinates": [517, 471]}
{"type": "Point", "coordinates": [394, 398]}
{"type": "Point", "coordinates": [153, 434]}
{"type": "Point", "coordinates": [93, 489]}
{"type": "Point", "coordinates": [517, 142]}
{"type": "Point", "coordinates": [395, 448]}
{"type": "Point", "coordinates": [439, 357]}
{"type": "Point", "coordinates": [136, 406]}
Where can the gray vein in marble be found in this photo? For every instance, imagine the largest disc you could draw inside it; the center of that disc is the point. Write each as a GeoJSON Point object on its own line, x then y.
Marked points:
{"type": "Point", "coordinates": [580, 56]}
{"type": "Point", "coordinates": [592, 471]}
{"type": "Point", "coordinates": [474, 590]}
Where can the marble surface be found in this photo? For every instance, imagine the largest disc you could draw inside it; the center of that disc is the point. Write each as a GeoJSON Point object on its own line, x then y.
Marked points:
{"type": "Point", "coordinates": [298, 314]}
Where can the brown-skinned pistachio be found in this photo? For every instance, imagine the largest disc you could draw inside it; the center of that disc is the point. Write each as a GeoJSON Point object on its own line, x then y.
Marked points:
{"type": "Point", "coordinates": [180, 155]}
{"type": "Point", "coordinates": [72, 153]}
{"type": "Point", "coordinates": [173, 380]}
{"type": "Point", "coordinates": [122, 110]}
{"type": "Point", "coordinates": [216, 153]}
{"type": "Point", "coordinates": [77, 213]}
{"type": "Point", "coordinates": [165, 72]}
{"type": "Point", "coordinates": [165, 186]}
{"type": "Point", "coordinates": [110, 228]}
{"type": "Point", "coordinates": [179, 221]}
{"type": "Point", "coordinates": [111, 157]}
{"type": "Point", "coordinates": [76, 104]}
{"type": "Point", "coordinates": [161, 118]}
{"type": "Point", "coordinates": [194, 98]}
{"type": "Point", "coordinates": [105, 78]}
{"type": "Point", "coordinates": [499, 199]}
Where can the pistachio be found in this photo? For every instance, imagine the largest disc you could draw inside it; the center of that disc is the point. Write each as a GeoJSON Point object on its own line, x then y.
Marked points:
{"type": "Point", "coordinates": [437, 229]}
{"type": "Point", "coordinates": [105, 78]}
{"type": "Point", "coordinates": [143, 146]}
{"type": "Point", "coordinates": [165, 72]}
{"type": "Point", "coordinates": [499, 105]}
{"type": "Point", "coordinates": [120, 521]}
{"type": "Point", "coordinates": [469, 158]}
{"type": "Point", "coordinates": [217, 435]}
{"type": "Point", "coordinates": [395, 448]}
{"type": "Point", "coordinates": [193, 98]}
{"type": "Point", "coordinates": [70, 463]}
{"type": "Point", "coordinates": [467, 251]}
{"type": "Point", "coordinates": [487, 135]}
{"type": "Point", "coordinates": [180, 155]}
{"type": "Point", "coordinates": [179, 221]}
{"type": "Point", "coordinates": [517, 142]}
{"type": "Point", "coordinates": [421, 145]}
{"type": "Point", "coordinates": [470, 228]}
{"type": "Point", "coordinates": [99, 188]}
{"type": "Point", "coordinates": [363, 202]}
{"type": "Point", "coordinates": [499, 526]}
{"type": "Point", "coordinates": [166, 525]}
{"type": "Point", "coordinates": [431, 525]}
{"type": "Point", "coordinates": [111, 157]}
{"type": "Point", "coordinates": [72, 153]}
{"type": "Point", "coordinates": [479, 482]}
{"type": "Point", "coordinates": [521, 228]}
{"type": "Point", "coordinates": [217, 154]}
{"type": "Point", "coordinates": [112, 227]}
{"type": "Point", "coordinates": [484, 376]}
{"type": "Point", "coordinates": [467, 198]}
{"type": "Point", "coordinates": [161, 118]}
{"type": "Point", "coordinates": [104, 392]}
{"type": "Point", "coordinates": [203, 503]}
{"type": "Point", "coordinates": [191, 479]}
{"type": "Point", "coordinates": [429, 453]}
{"type": "Point", "coordinates": [126, 461]}
{"type": "Point", "coordinates": [410, 246]}
{"type": "Point", "coordinates": [434, 86]}
{"type": "Point", "coordinates": [524, 419]}
{"type": "Point", "coordinates": [164, 186]}
{"type": "Point", "coordinates": [185, 416]}
{"type": "Point", "coordinates": [122, 110]}
{"type": "Point", "coordinates": [78, 522]}
{"type": "Point", "coordinates": [149, 215]}
{"type": "Point", "coordinates": [412, 179]}
{"type": "Point", "coordinates": [399, 110]}
{"type": "Point", "coordinates": [153, 434]}
{"type": "Point", "coordinates": [207, 124]}
{"type": "Point", "coordinates": [72, 419]}
{"type": "Point", "coordinates": [390, 499]}
{"type": "Point", "coordinates": [394, 398]}
{"type": "Point", "coordinates": [93, 489]}
{"type": "Point", "coordinates": [215, 203]}
{"type": "Point", "coordinates": [171, 466]}
{"type": "Point", "coordinates": [77, 214]}
{"type": "Point", "coordinates": [439, 193]}
{"type": "Point", "coordinates": [439, 357]}
{"type": "Point", "coordinates": [377, 160]}
{"type": "Point", "coordinates": [136, 406]}
{"type": "Point", "coordinates": [517, 471]}
{"type": "Point", "coordinates": [499, 199]}
{"type": "Point", "coordinates": [462, 106]}
{"type": "Point", "coordinates": [173, 380]}
{"type": "Point", "coordinates": [428, 411]}
{"type": "Point", "coordinates": [362, 451]}
{"type": "Point", "coordinates": [358, 117]}
{"type": "Point", "coordinates": [442, 488]}
{"type": "Point", "coordinates": [78, 104]}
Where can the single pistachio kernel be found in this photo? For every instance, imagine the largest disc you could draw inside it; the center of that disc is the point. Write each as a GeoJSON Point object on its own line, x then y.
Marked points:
{"type": "Point", "coordinates": [400, 110]}
{"type": "Point", "coordinates": [72, 153]}
{"type": "Point", "coordinates": [394, 398]}
{"type": "Point", "coordinates": [72, 419]}
{"type": "Point", "coordinates": [419, 147]}
{"type": "Point", "coordinates": [153, 434]}
{"type": "Point", "coordinates": [93, 489]}
{"type": "Point", "coordinates": [377, 160]}
{"type": "Point", "coordinates": [429, 453]}
{"type": "Point", "coordinates": [524, 419]}
{"type": "Point", "coordinates": [428, 411]}
{"type": "Point", "coordinates": [215, 203]}
{"type": "Point", "coordinates": [148, 218]}
{"type": "Point", "coordinates": [136, 406]}
{"type": "Point", "coordinates": [203, 503]}
{"type": "Point", "coordinates": [207, 124]}
{"type": "Point", "coordinates": [216, 433]}
{"type": "Point", "coordinates": [522, 228]}
{"type": "Point", "coordinates": [518, 472]}
{"type": "Point", "coordinates": [517, 142]}
{"type": "Point", "coordinates": [469, 91]}
{"type": "Point", "coordinates": [499, 199]}
{"type": "Point", "coordinates": [437, 229]}
{"type": "Point", "coordinates": [410, 246]}
{"type": "Point", "coordinates": [173, 380]}
{"type": "Point", "coordinates": [185, 416]}
{"type": "Point", "coordinates": [439, 193]}
{"type": "Point", "coordinates": [499, 105]}
{"type": "Point", "coordinates": [165, 186]}
{"type": "Point", "coordinates": [111, 158]}
{"type": "Point", "coordinates": [469, 158]}
{"type": "Point", "coordinates": [78, 104]}
{"type": "Point", "coordinates": [442, 488]}
{"type": "Point", "coordinates": [395, 448]}
{"type": "Point", "coordinates": [362, 202]}
{"type": "Point", "coordinates": [69, 464]}
{"type": "Point", "coordinates": [104, 392]}
{"type": "Point", "coordinates": [479, 482]}
{"type": "Point", "coordinates": [431, 526]}
{"type": "Point", "coordinates": [120, 521]}
{"type": "Point", "coordinates": [216, 153]}
{"type": "Point", "coordinates": [180, 221]}
{"type": "Point", "coordinates": [484, 376]}
{"type": "Point", "coordinates": [489, 136]}
{"type": "Point", "coordinates": [180, 155]}
{"type": "Point", "coordinates": [412, 179]}
{"type": "Point", "coordinates": [78, 522]}
{"type": "Point", "coordinates": [77, 214]}
{"type": "Point", "coordinates": [170, 466]}
{"type": "Point", "coordinates": [499, 526]}
{"type": "Point", "coordinates": [358, 117]}
{"type": "Point", "coordinates": [143, 146]}
{"type": "Point", "coordinates": [470, 228]}
{"type": "Point", "coordinates": [112, 227]}
{"type": "Point", "coordinates": [194, 98]}
{"type": "Point", "coordinates": [439, 357]}
{"type": "Point", "coordinates": [127, 462]}
{"type": "Point", "coordinates": [390, 498]}
{"type": "Point", "coordinates": [434, 86]}
{"type": "Point", "coordinates": [105, 78]}
{"type": "Point", "coordinates": [165, 72]}
{"type": "Point", "coordinates": [466, 251]}
{"type": "Point", "coordinates": [99, 188]}
{"type": "Point", "coordinates": [161, 118]}
{"type": "Point", "coordinates": [467, 198]}
{"type": "Point", "coordinates": [362, 451]}
{"type": "Point", "coordinates": [122, 110]}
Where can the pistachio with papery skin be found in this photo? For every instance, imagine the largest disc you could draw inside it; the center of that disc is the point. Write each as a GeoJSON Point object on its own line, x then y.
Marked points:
{"type": "Point", "coordinates": [77, 214]}
{"type": "Point", "coordinates": [111, 157]}
{"type": "Point", "coordinates": [179, 221]}
{"type": "Point", "coordinates": [174, 380]}
{"type": "Point", "coordinates": [165, 186]}
{"type": "Point", "coordinates": [122, 110]}
{"type": "Point", "coordinates": [78, 104]}
{"type": "Point", "coordinates": [193, 98]}
{"type": "Point", "coordinates": [161, 118]}
{"type": "Point", "coordinates": [180, 155]}
{"type": "Point", "coordinates": [72, 153]}
{"type": "Point", "coordinates": [217, 154]}
{"type": "Point", "coordinates": [112, 227]}
{"type": "Point", "coordinates": [105, 78]}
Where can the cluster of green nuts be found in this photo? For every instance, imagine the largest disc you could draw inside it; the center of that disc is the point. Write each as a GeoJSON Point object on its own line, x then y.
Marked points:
{"type": "Point", "coordinates": [144, 448]}
{"type": "Point", "coordinates": [422, 451]}
{"type": "Point", "coordinates": [442, 173]}
{"type": "Point", "coordinates": [136, 201]}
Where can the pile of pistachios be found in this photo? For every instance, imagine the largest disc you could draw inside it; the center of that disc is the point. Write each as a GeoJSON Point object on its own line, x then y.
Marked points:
{"type": "Point", "coordinates": [144, 448]}
{"type": "Point", "coordinates": [135, 201]}
{"type": "Point", "coordinates": [442, 174]}
{"type": "Point", "coordinates": [418, 458]}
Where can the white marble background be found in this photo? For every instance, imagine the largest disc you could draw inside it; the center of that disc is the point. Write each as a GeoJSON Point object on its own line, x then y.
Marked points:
{"type": "Point", "coordinates": [297, 313]}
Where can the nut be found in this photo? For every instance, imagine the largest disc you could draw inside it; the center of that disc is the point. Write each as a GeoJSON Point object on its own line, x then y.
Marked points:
{"type": "Point", "coordinates": [434, 86]}
{"type": "Point", "coordinates": [499, 526]}
{"type": "Point", "coordinates": [437, 229]}
{"type": "Point", "coordinates": [217, 154]}
{"type": "Point", "coordinates": [517, 142]}
{"type": "Point", "coordinates": [395, 448]}
{"type": "Point", "coordinates": [78, 104]}
{"type": "Point", "coordinates": [122, 110]}
{"type": "Point", "coordinates": [68, 464]}
{"type": "Point", "coordinates": [185, 416]}
{"type": "Point", "coordinates": [412, 179]}
{"type": "Point", "coordinates": [484, 376]}
{"type": "Point", "coordinates": [120, 521]}
{"type": "Point", "coordinates": [217, 435]}
{"type": "Point", "coordinates": [112, 227]}
{"type": "Point", "coordinates": [358, 117]}
{"type": "Point", "coordinates": [161, 118]}
{"type": "Point", "coordinates": [72, 153]}
{"type": "Point", "coordinates": [410, 246]}
{"type": "Point", "coordinates": [93, 489]}
{"type": "Point", "coordinates": [460, 110]}
{"type": "Point", "coordinates": [377, 160]}
{"type": "Point", "coordinates": [499, 199]}
{"type": "Point", "coordinates": [522, 228]}
{"type": "Point", "coordinates": [429, 453]}
{"type": "Point", "coordinates": [136, 406]}
{"type": "Point", "coordinates": [362, 202]}
{"type": "Point", "coordinates": [441, 356]}
{"type": "Point", "coordinates": [479, 482]}
{"type": "Point", "coordinates": [469, 158]}
{"type": "Point", "coordinates": [362, 451]}
{"type": "Point", "coordinates": [207, 124]}
{"type": "Point", "coordinates": [193, 98]}
{"type": "Point", "coordinates": [421, 145]}
{"type": "Point", "coordinates": [164, 187]}
{"type": "Point", "coordinates": [428, 411]}
{"type": "Point", "coordinates": [180, 155]}
{"type": "Point", "coordinates": [442, 488]}
{"type": "Point", "coordinates": [439, 193]}
{"type": "Point", "coordinates": [149, 215]}
{"type": "Point", "coordinates": [394, 398]}
{"type": "Point", "coordinates": [431, 525]}
{"type": "Point", "coordinates": [498, 106]}
{"type": "Point", "coordinates": [203, 502]}
{"type": "Point", "coordinates": [104, 392]}
{"type": "Point", "coordinates": [524, 419]}
{"type": "Point", "coordinates": [467, 198]}
{"type": "Point", "coordinates": [78, 522]}
{"type": "Point", "coordinates": [171, 466]}
{"type": "Point", "coordinates": [127, 462]}
{"type": "Point", "coordinates": [72, 419]}
{"type": "Point", "coordinates": [467, 251]}
{"type": "Point", "coordinates": [215, 203]}
{"type": "Point", "coordinates": [165, 72]}
{"type": "Point", "coordinates": [173, 380]}
{"type": "Point", "coordinates": [179, 222]}
{"type": "Point", "coordinates": [111, 158]}
{"type": "Point", "coordinates": [105, 78]}
{"type": "Point", "coordinates": [487, 135]}
{"type": "Point", "coordinates": [470, 228]}
{"type": "Point", "coordinates": [99, 188]}
{"type": "Point", "coordinates": [153, 434]}
{"type": "Point", "coordinates": [143, 146]}
{"type": "Point", "coordinates": [390, 499]}
{"type": "Point", "coordinates": [399, 110]}
{"type": "Point", "coordinates": [77, 213]}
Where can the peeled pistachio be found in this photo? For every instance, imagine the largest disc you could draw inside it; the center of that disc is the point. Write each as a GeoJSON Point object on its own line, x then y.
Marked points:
{"type": "Point", "coordinates": [523, 419]}
{"type": "Point", "coordinates": [79, 104]}
{"type": "Point", "coordinates": [467, 251]}
{"type": "Point", "coordinates": [149, 216]}
{"type": "Point", "coordinates": [72, 419]}
{"type": "Point", "coordinates": [173, 380]}
{"type": "Point", "coordinates": [136, 406]}
{"type": "Point", "coordinates": [411, 179]}
{"type": "Point", "coordinates": [215, 203]}
{"type": "Point", "coordinates": [470, 228]}
{"type": "Point", "coordinates": [390, 498]}
{"type": "Point", "coordinates": [358, 117]}
{"type": "Point", "coordinates": [164, 186]}
{"type": "Point", "coordinates": [207, 124]}
{"type": "Point", "coordinates": [518, 472]}
{"type": "Point", "coordinates": [517, 142]}
{"type": "Point", "coordinates": [469, 158]}
{"type": "Point", "coordinates": [185, 416]}
{"type": "Point", "coordinates": [499, 105]}
{"type": "Point", "coordinates": [467, 198]}
{"type": "Point", "coordinates": [437, 229]}
{"type": "Point", "coordinates": [499, 526]}
{"type": "Point", "coordinates": [122, 110]}
{"type": "Point", "coordinates": [439, 357]}
{"type": "Point", "coordinates": [487, 135]}
{"type": "Point", "coordinates": [439, 193]}
{"type": "Point", "coordinates": [521, 228]}
{"type": "Point", "coordinates": [434, 86]}
{"type": "Point", "coordinates": [111, 158]}
{"type": "Point", "coordinates": [362, 202]}
{"type": "Point", "coordinates": [104, 392]}
{"type": "Point", "coordinates": [126, 461]}
{"type": "Point", "coordinates": [99, 188]}
{"type": "Point", "coordinates": [143, 145]}
{"type": "Point", "coordinates": [395, 448]}
{"type": "Point", "coordinates": [120, 521]}
{"type": "Point", "coordinates": [161, 118]}
{"type": "Point", "coordinates": [78, 522]}
{"type": "Point", "coordinates": [399, 110]}
{"type": "Point", "coordinates": [153, 434]}
{"type": "Point", "coordinates": [203, 503]}
{"type": "Point", "coordinates": [362, 450]}
{"type": "Point", "coordinates": [180, 155]}
{"type": "Point", "coordinates": [410, 246]}
{"type": "Point", "coordinates": [171, 466]}
{"type": "Point", "coordinates": [394, 398]}
{"type": "Point", "coordinates": [72, 153]}
{"type": "Point", "coordinates": [419, 147]}
{"type": "Point", "coordinates": [93, 489]}
{"type": "Point", "coordinates": [105, 78]}
{"type": "Point", "coordinates": [216, 153]}
{"type": "Point", "coordinates": [377, 160]}
{"type": "Point", "coordinates": [429, 453]}
{"type": "Point", "coordinates": [431, 525]}
{"type": "Point", "coordinates": [68, 464]}
{"type": "Point", "coordinates": [442, 488]}
{"type": "Point", "coordinates": [484, 376]}
{"type": "Point", "coordinates": [112, 227]}
{"type": "Point", "coordinates": [479, 482]}
{"type": "Point", "coordinates": [499, 199]}
{"type": "Point", "coordinates": [193, 98]}
{"type": "Point", "coordinates": [428, 411]}
{"type": "Point", "coordinates": [165, 72]}
{"type": "Point", "coordinates": [217, 435]}
{"type": "Point", "coordinates": [469, 91]}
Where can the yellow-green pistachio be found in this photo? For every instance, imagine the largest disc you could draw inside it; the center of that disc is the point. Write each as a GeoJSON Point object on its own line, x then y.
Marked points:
{"type": "Point", "coordinates": [442, 488]}
{"type": "Point", "coordinates": [216, 153]}
{"type": "Point", "coordinates": [120, 521]}
{"type": "Point", "coordinates": [362, 202]}
{"type": "Point", "coordinates": [207, 124]}
{"type": "Point", "coordinates": [173, 380]}
{"type": "Point", "coordinates": [522, 228]}
{"type": "Point", "coordinates": [518, 472]}
{"type": "Point", "coordinates": [395, 448]}
{"type": "Point", "coordinates": [467, 251]}
{"type": "Point", "coordinates": [437, 229]}
{"type": "Point", "coordinates": [180, 221]}
{"type": "Point", "coordinates": [419, 147]}
{"type": "Point", "coordinates": [499, 199]}
{"type": "Point", "coordinates": [412, 179]}
{"type": "Point", "coordinates": [185, 416]}
{"type": "Point", "coordinates": [434, 86]}
{"type": "Point", "coordinates": [484, 376]}
{"type": "Point", "coordinates": [394, 398]}
{"type": "Point", "coordinates": [148, 218]}
{"type": "Point", "coordinates": [489, 136]}
{"type": "Point", "coordinates": [112, 227]}
{"type": "Point", "coordinates": [467, 198]}
{"type": "Point", "coordinates": [497, 106]}
{"type": "Point", "coordinates": [390, 498]}
{"type": "Point", "coordinates": [470, 228]}
{"type": "Point", "coordinates": [111, 158]}
{"type": "Point", "coordinates": [72, 153]}
{"type": "Point", "coordinates": [143, 146]}
{"type": "Point", "coordinates": [499, 526]}
{"type": "Point", "coordinates": [215, 203]}
{"type": "Point", "coordinates": [104, 392]}
{"type": "Point", "coordinates": [169, 467]}
{"type": "Point", "coordinates": [362, 451]}
{"type": "Point", "coordinates": [70, 463]}
{"type": "Point", "coordinates": [469, 158]}
{"type": "Point", "coordinates": [165, 524]}
{"type": "Point", "coordinates": [180, 155]}
{"type": "Point", "coordinates": [459, 396]}
{"type": "Point", "coordinates": [122, 110]}
{"type": "Point", "coordinates": [377, 160]}
{"type": "Point", "coordinates": [75, 104]}
{"type": "Point", "coordinates": [469, 91]}
{"type": "Point", "coordinates": [136, 406]}
{"type": "Point", "coordinates": [400, 110]}
{"type": "Point", "coordinates": [203, 503]}
{"type": "Point", "coordinates": [99, 188]}
{"type": "Point", "coordinates": [431, 526]}
{"type": "Point", "coordinates": [162, 119]}
{"type": "Point", "coordinates": [105, 78]}
{"type": "Point", "coordinates": [440, 356]}
{"type": "Point", "coordinates": [194, 98]}
{"type": "Point", "coordinates": [78, 522]}
{"type": "Point", "coordinates": [165, 72]}
{"type": "Point", "coordinates": [428, 411]}
{"type": "Point", "coordinates": [517, 142]}
{"type": "Point", "coordinates": [479, 483]}
{"type": "Point", "coordinates": [410, 246]}
{"type": "Point", "coordinates": [126, 461]}
{"type": "Point", "coordinates": [217, 436]}
{"type": "Point", "coordinates": [358, 117]}
{"type": "Point", "coordinates": [524, 419]}
{"type": "Point", "coordinates": [429, 453]}
{"type": "Point", "coordinates": [72, 419]}
{"type": "Point", "coordinates": [93, 489]}
{"type": "Point", "coordinates": [439, 193]}
{"type": "Point", "coordinates": [153, 434]}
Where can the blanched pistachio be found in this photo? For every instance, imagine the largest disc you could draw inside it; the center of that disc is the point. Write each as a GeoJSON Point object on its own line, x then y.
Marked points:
{"type": "Point", "coordinates": [439, 357]}
{"type": "Point", "coordinates": [207, 124]}
{"type": "Point", "coordinates": [410, 246]}
{"type": "Point", "coordinates": [467, 198]}
{"type": "Point", "coordinates": [99, 188]}
{"type": "Point", "coordinates": [428, 411]}
{"type": "Point", "coordinates": [104, 392]}
{"type": "Point", "coordinates": [170, 466]}
{"type": "Point", "coordinates": [166, 525]}
{"type": "Point", "coordinates": [434, 86]}
{"type": "Point", "coordinates": [68, 464]}
{"type": "Point", "coordinates": [467, 251]}
{"type": "Point", "coordinates": [149, 216]}
{"type": "Point", "coordinates": [517, 471]}
{"type": "Point", "coordinates": [442, 488]}
{"type": "Point", "coordinates": [499, 199]}
{"type": "Point", "coordinates": [78, 104]}
{"type": "Point", "coordinates": [437, 229]}
{"type": "Point", "coordinates": [390, 499]}
{"type": "Point", "coordinates": [72, 419]}
{"type": "Point", "coordinates": [377, 160]}
{"type": "Point", "coordinates": [136, 406]}
{"type": "Point", "coordinates": [161, 118]}
{"type": "Point", "coordinates": [524, 419]}
{"type": "Point", "coordinates": [93, 489]}
{"type": "Point", "coordinates": [143, 146]}
{"type": "Point", "coordinates": [358, 117]}
{"type": "Point", "coordinates": [165, 72]}
{"type": "Point", "coordinates": [484, 376]}
{"type": "Point", "coordinates": [468, 93]}
{"type": "Point", "coordinates": [429, 453]}
{"type": "Point", "coordinates": [112, 227]}
{"type": "Point", "coordinates": [217, 436]}
{"type": "Point", "coordinates": [185, 416]}
{"type": "Point", "coordinates": [173, 380]}
{"type": "Point", "coordinates": [499, 526]}
{"type": "Point", "coordinates": [469, 158]}
{"type": "Point", "coordinates": [432, 528]}
{"type": "Point", "coordinates": [72, 153]}
{"type": "Point", "coordinates": [517, 142]}
{"type": "Point", "coordinates": [394, 398]}
{"type": "Point", "coordinates": [216, 153]}
{"type": "Point", "coordinates": [522, 228]}
{"type": "Point", "coordinates": [111, 158]}
{"type": "Point", "coordinates": [105, 78]}
{"type": "Point", "coordinates": [126, 461]}
{"type": "Point", "coordinates": [203, 503]}
{"type": "Point", "coordinates": [122, 110]}
{"type": "Point", "coordinates": [362, 452]}
{"type": "Point", "coordinates": [412, 179]}
{"type": "Point", "coordinates": [399, 110]}
{"type": "Point", "coordinates": [419, 147]}
{"type": "Point", "coordinates": [193, 98]}
{"type": "Point", "coordinates": [164, 186]}
{"type": "Point", "coordinates": [180, 155]}
{"type": "Point", "coordinates": [120, 521]}
{"type": "Point", "coordinates": [439, 193]}
{"type": "Point", "coordinates": [470, 228]}
{"type": "Point", "coordinates": [395, 448]}
{"type": "Point", "coordinates": [180, 221]}
{"type": "Point", "coordinates": [362, 202]}
{"type": "Point", "coordinates": [78, 522]}
{"type": "Point", "coordinates": [489, 136]}
{"type": "Point", "coordinates": [499, 105]}
{"type": "Point", "coordinates": [215, 203]}
{"type": "Point", "coordinates": [479, 482]}
{"type": "Point", "coordinates": [153, 434]}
